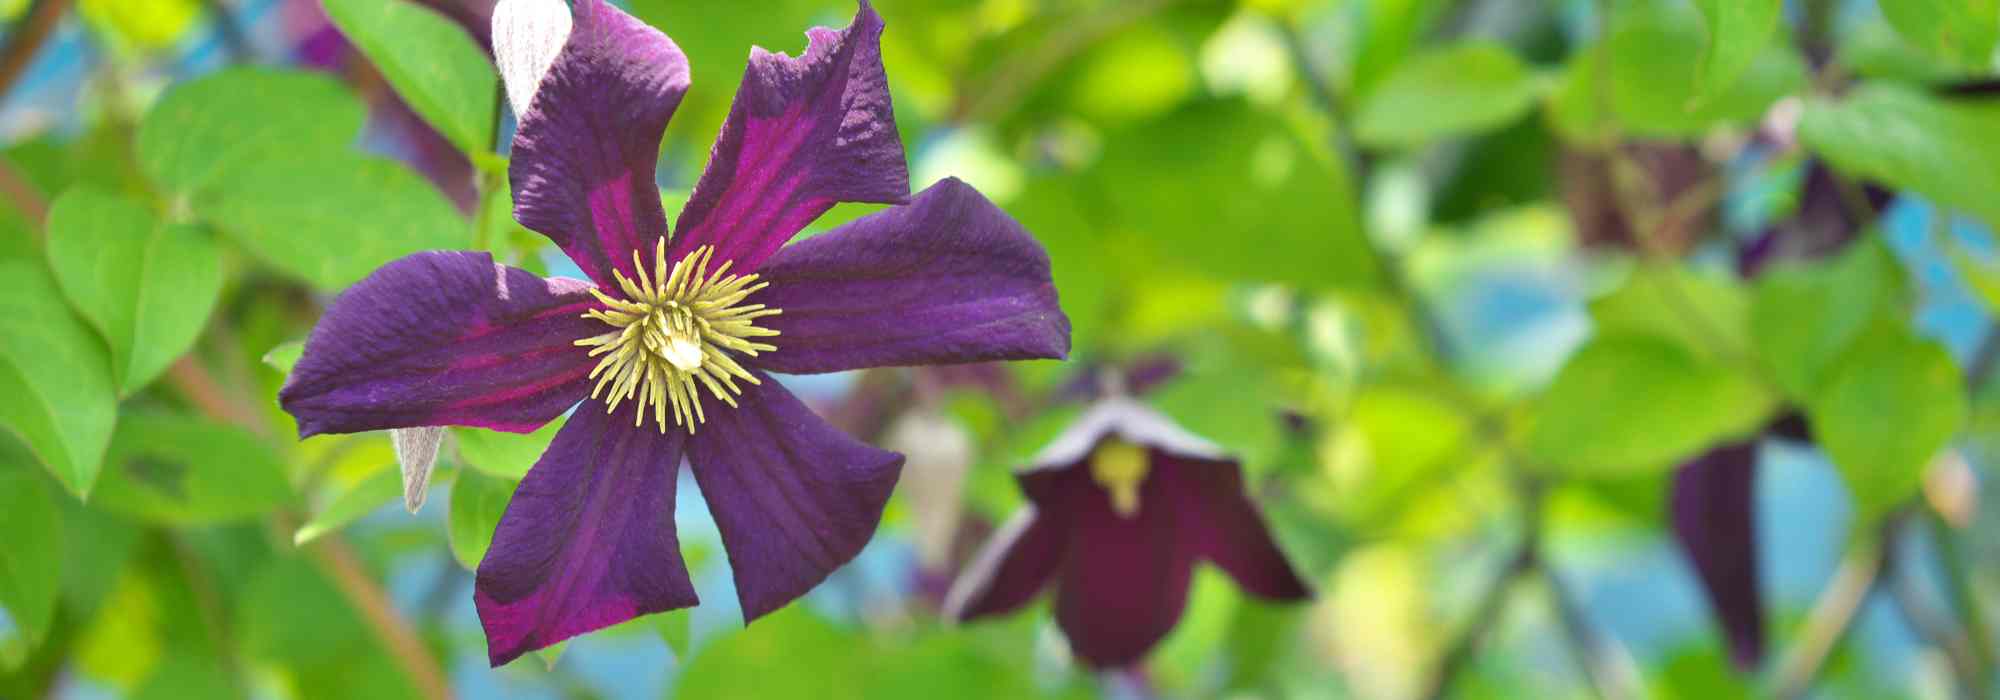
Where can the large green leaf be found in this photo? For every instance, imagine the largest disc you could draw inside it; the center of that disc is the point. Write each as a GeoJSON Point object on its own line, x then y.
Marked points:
{"type": "Point", "coordinates": [1232, 193]}
{"type": "Point", "coordinates": [336, 221]}
{"type": "Point", "coordinates": [204, 128]}
{"type": "Point", "coordinates": [1626, 404]}
{"type": "Point", "coordinates": [1958, 30]}
{"type": "Point", "coordinates": [1738, 30]}
{"type": "Point", "coordinates": [181, 470]}
{"type": "Point", "coordinates": [55, 377]}
{"type": "Point", "coordinates": [147, 287]}
{"type": "Point", "coordinates": [347, 506]}
{"type": "Point", "coordinates": [30, 561]}
{"type": "Point", "coordinates": [1804, 318]}
{"type": "Point", "coordinates": [1654, 58]}
{"type": "Point", "coordinates": [1452, 91]}
{"type": "Point", "coordinates": [506, 455]}
{"type": "Point", "coordinates": [477, 502]}
{"type": "Point", "coordinates": [1705, 312]}
{"type": "Point", "coordinates": [1884, 412]}
{"type": "Point", "coordinates": [1948, 150]}
{"type": "Point", "coordinates": [430, 61]}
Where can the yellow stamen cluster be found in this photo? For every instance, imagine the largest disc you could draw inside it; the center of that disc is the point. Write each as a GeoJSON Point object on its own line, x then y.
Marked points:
{"type": "Point", "coordinates": [1120, 467]}
{"type": "Point", "coordinates": [670, 332]}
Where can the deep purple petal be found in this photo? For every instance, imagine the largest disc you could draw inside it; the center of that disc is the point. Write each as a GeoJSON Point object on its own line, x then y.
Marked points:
{"type": "Point", "coordinates": [793, 497]}
{"type": "Point", "coordinates": [803, 134]}
{"type": "Point", "coordinates": [947, 279]}
{"type": "Point", "coordinates": [588, 540]}
{"type": "Point", "coordinates": [1715, 521]}
{"type": "Point", "coordinates": [1015, 565]}
{"type": "Point", "coordinates": [1226, 527]}
{"type": "Point", "coordinates": [1126, 580]}
{"type": "Point", "coordinates": [586, 149]}
{"type": "Point", "coordinates": [444, 338]}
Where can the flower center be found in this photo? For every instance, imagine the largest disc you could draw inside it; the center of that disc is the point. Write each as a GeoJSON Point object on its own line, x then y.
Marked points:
{"type": "Point", "coordinates": [1120, 467]}
{"type": "Point", "coordinates": [669, 333]}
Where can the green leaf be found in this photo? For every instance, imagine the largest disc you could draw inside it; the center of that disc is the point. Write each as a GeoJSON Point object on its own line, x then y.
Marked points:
{"type": "Point", "coordinates": [430, 61]}
{"type": "Point", "coordinates": [1959, 30]}
{"type": "Point", "coordinates": [477, 502]}
{"type": "Point", "coordinates": [181, 470]}
{"type": "Point", "coordinates": [1634, 404]}
{"type": "Point", "coordinates": [334, 222]}
{"type": "Point", "coordinates": [204, 128]}
{"type": "Point", "coordinates": [1452, 91]}
{"type": "Point", "coordinates": [1804, 318]}
{"type": "Point", "coordinates": [1948, 150]}
{"type": "Point", "coordinates": [1289, 213]}
{"type": "Point", "coordinates": [148, 288]}
{"type": "Point", "coordinates": [505, 455]}
{"type": "Point", "coordinates": [1704, 312]}
{"type": "Point", "coordinates": [1654, 56]}
{"type": "Point", "coordinates": [284, 356]}
{"type": "Point", "coordinates": [363, 498]}
{"type": "Point", "coordinates": [31, 560]}
{"type": "Point", "coordinates": [1982, 275]}
{"type": "Point", "coordinates": [55, 378]}
{"type": "Point", "coordinates": [1738, 30]}
{"type": "Point", "coordinates": [1885, 411]}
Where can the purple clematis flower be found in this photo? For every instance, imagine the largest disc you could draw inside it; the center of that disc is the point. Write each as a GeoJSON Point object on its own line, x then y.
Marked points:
{"type": "Point", "coordinates": [1123, 504]}
{"type": "Point", "coordinates": [668, 351]}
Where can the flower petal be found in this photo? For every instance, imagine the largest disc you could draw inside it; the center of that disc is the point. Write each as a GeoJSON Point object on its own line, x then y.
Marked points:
{"type": "Point", "coordinates": [588, 144]}
{"type": "Point", "coordinates": [947, 279]}
{"type": "Point", "coordinates": [528, 35]}
{"type": "Point", "coordinates": [1127, 584]}
{"type": "Point", "coordinates": [444, 338]}
{"type": "Point", "coordinates": [803, 134]}
{"type": "Point", "coordinates": [793, 497]}
{"type": "Point", "coordinates": [1226, 527]}
{"type": "Point", "coordinates": [1715, 521]}
{"type": "Point", "coordinates": [588, 540]}
{"type": "Point", "coordinates": [1014, 566]}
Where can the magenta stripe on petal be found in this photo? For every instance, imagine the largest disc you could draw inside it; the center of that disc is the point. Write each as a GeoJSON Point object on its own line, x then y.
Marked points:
{"type": "Point", "coordinates": [793, 497]}
{"type": "Point", "coordinates": [803, 134]}
{"type": "Point", "coordinates": [444, 338]}
{"type": "Point", "coordinates": [587, 147]}
{"type": "Point", "coordinates": [588, 540]}
{"type": "Point", "coordinates": [948, 278]}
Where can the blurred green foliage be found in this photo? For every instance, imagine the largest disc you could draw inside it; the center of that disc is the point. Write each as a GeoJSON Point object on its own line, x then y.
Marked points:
{"type": "Point", "coordinates": [1462, 284]}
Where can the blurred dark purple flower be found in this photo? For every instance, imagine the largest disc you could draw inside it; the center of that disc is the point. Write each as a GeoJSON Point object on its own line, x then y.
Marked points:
{"type": "Point", "coordinates": [1122, 506]}
{"type": "Point", "coordinates": [450, 338]}
{"type": "Point", "coordinates": [1715, 521]}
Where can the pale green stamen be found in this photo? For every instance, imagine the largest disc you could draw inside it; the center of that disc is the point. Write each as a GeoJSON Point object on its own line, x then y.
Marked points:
{"type": "Point", "coordinates": [669, 333]}
{"type": "Point", "coordinates": [1120, 467]}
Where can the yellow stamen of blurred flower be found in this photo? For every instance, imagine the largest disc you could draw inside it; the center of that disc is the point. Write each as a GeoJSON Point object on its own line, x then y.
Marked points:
{"type": "Point", "coordinates": [1120, 467]}
{"type": "Point", "coordinates": [669, 334]}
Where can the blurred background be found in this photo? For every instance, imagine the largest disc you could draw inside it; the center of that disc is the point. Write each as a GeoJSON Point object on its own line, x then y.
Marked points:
{"type": "Point", "coordinates": [1573, 348]}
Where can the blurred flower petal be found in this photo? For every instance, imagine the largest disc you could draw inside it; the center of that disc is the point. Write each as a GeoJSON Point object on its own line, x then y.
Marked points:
{"type": "Point", "coordinates": [1713, 507]}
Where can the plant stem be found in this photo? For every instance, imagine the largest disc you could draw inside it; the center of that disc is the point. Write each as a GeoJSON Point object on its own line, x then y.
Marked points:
{"type": "Point", "coordinates": [1831, 618]}
{"type": "Point", "coordinates": [231, 31]}
{"type": "Point", "coordinates": [1932, 627]}
{"type": "Point", "coordinates": [25, 39]}
{"type": "Point", "coordinates": [1485, 616]}
{"type": "Point", "coordinates": [1610, 669]}
{"type": "Point", "coordinates": [338, 560]}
